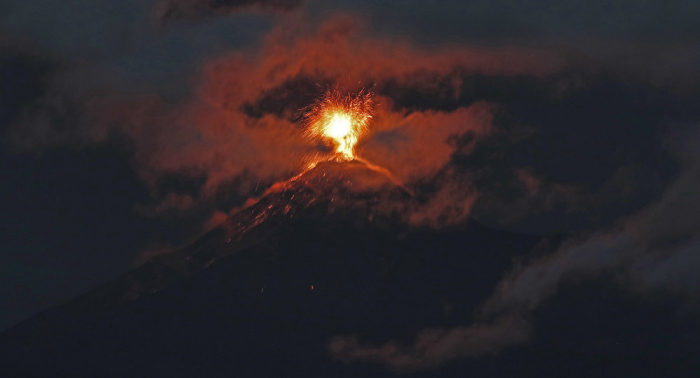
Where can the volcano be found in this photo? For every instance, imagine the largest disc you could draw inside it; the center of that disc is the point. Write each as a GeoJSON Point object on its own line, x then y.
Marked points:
{"type": "Point", "coordinates": [262, 294]}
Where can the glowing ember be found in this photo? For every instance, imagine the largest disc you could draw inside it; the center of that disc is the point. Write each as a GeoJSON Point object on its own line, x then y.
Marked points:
{"type": "Point", "coordinates": [341, 120]}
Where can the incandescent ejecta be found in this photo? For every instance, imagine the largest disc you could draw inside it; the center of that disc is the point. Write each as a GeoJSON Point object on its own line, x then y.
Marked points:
{"type": "Point", "coordinates": [340, 120]}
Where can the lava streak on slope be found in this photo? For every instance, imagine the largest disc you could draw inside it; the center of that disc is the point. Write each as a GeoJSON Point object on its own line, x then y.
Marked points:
{"type": "Point", "coordinates": [340, 119]}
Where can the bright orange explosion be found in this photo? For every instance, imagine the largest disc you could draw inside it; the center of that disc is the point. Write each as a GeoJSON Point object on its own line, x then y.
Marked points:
{"type": "Point", "coordinates": [341, 120]}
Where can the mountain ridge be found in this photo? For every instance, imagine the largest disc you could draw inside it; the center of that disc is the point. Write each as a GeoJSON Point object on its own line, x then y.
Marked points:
{"type": "Point", "coordinates": [317, 252]}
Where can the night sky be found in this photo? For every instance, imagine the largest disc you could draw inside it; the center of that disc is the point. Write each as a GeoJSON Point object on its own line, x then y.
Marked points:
{"type": "Point", "coordinates": [131, 128]}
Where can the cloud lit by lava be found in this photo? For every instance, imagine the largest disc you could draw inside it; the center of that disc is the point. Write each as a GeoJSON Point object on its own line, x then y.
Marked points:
{"type": "Point", "coordinates": [231, 126]}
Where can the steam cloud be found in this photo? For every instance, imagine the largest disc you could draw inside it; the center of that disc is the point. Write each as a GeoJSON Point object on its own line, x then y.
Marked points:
{"type": "Point", "coordinates": [433, 347]}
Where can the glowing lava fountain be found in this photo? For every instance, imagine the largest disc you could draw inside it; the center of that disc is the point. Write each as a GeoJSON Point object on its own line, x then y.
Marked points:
{"type": "Point", "coordinates": [341, 120]}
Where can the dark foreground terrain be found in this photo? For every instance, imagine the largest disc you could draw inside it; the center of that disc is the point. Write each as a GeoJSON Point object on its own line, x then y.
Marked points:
{"type": "Point", "coordinates": [263, 294]}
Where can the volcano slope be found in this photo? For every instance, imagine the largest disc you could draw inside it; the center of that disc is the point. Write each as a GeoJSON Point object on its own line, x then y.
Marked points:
{"type": "Point", "coordinates": [262, 295]}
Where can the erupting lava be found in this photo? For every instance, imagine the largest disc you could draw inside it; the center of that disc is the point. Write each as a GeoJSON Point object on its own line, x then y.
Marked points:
{"type": "Point", "coordinates": [340, 119]}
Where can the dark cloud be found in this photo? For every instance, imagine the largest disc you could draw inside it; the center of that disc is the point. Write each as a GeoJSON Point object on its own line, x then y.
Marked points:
{"type": "Point", "coordinates": [652, 250]}
{"type": "Point", "coordinates": [652, 41]}
{"type": "Point", "coordinates": [434, 347]}
{"type": "Point", "coordinates": [24, 74]}
{"type": "Point", "coordinates": [281, 4]}
{"type": "Point", "coordinates": [590, 137]}
{"type": "Point", "coordinates": [94, 30]}
{"type": "Point", "coordinates": [592, 140]}
{"type": "Point", "coordinates": [653, 240]}
{"type": "Point", "coordinates": [36, 111]}
{"type": "Point", "coordinates": [534, 20]}
{"type": "Point", "coordinates": [187, 9]}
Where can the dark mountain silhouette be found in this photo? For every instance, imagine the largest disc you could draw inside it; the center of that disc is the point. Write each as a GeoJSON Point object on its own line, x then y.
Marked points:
{"type": "Point", "coordinates": [320, 256]}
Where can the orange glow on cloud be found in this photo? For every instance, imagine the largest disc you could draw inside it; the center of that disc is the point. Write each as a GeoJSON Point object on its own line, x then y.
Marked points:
{"type": "Point", "coordinates": [213, 133]}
